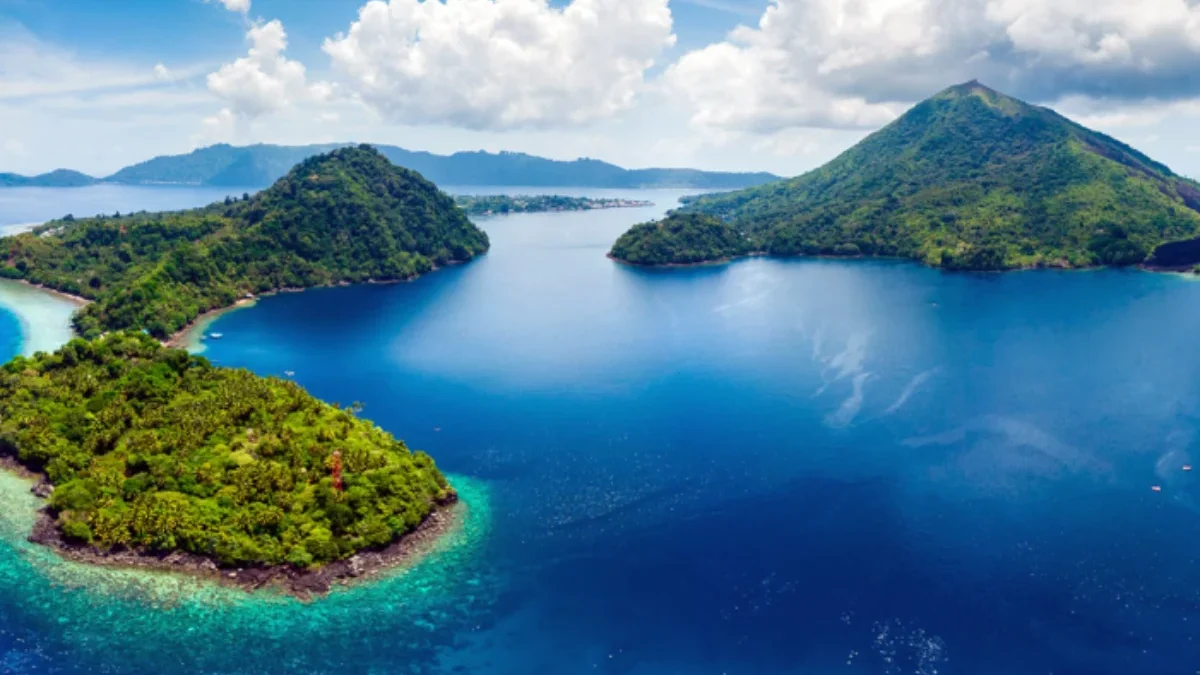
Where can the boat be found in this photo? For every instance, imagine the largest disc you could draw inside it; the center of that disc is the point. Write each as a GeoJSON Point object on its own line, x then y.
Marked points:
{"type": "Point", "coordinates": [1156, 488]}
{"type": "Point", "coordinates": [215, 336]}
{"type": "Point", "coordinates": [289, 373]}
{"type": "Point", "coordinates": [1187, 467]}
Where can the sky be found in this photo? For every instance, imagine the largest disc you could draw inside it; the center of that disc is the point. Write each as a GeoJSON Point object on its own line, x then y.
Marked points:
{"type": "Point", "coordinates": [773, 85]}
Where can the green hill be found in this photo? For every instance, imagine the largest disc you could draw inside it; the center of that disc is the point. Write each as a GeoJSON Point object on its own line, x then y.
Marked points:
{"type": "Point", "coordinates": [680, 239]}
{"type": "Point", "coordinates": [345, 216]}
{"type": "Point", "coordinates": [973, 179]}
{"type": "Point", "coordinates": [153, 450]}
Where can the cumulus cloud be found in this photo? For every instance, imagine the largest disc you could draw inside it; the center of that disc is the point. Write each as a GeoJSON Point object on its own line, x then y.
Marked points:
{"type": "Point", "coordinates": [242, 6]}
{"type": "Point", "coordinates": [501, 64]}
{"type": "Point", "coordinates": [264, 80]}
{"type": "Point", "coordinates": [852, 64]}
{"type": "Point", "coordinates": [161, 72]}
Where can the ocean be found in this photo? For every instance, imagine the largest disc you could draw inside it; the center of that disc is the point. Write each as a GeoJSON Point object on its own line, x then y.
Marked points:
{"type": "Point", "coordinates": [801, 466]}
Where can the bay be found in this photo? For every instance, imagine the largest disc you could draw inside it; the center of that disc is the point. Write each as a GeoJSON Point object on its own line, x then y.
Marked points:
{"type": "Point", "coordinates": [762, 467]}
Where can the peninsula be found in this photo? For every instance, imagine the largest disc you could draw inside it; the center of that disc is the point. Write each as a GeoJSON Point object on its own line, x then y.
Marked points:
{"type": "Point", "coordinates": [498, 205]}
{"type": "Point", "coordinates": [681, 239]}
{"type": "Point", "coordinates": [969, 179]}
{"type": "Point", "coordinates": [344, 217]}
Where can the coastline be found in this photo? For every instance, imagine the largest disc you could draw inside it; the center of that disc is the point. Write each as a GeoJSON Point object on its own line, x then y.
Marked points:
{"type": "Point", "coordinates": [444, 520]}
{"type": "Point", "coordinates": [189, 336]}
{"type": "Point", "coordinates": [702, 263]}
{"type": "Point", "coordinates": [1184, 271]}
{"type": "Point", "coordinates": [44, 314]}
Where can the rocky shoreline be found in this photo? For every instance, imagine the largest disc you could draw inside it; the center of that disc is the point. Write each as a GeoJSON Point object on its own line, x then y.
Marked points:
{"type": "Point", "coordinates": [303, 584]}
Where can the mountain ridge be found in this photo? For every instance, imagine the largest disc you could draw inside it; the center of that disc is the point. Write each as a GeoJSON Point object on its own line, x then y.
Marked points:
{"type": "Point", "coordinates": [261, 164]}
{"type": "Point", "coordinates": [55, 178]}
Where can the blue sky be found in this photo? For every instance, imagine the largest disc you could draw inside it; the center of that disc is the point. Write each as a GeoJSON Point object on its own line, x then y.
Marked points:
{"type": "Point", "coordinates": [780, 85]}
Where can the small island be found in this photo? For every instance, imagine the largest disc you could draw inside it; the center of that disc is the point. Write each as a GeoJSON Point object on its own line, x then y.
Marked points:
{"type": "Point", "coordinates": [498, 205]}
{"type": "Point", "coordinates": [681, 239]}
{"type": "Point", "coordinates": [349, 216]}
{"type": "Point", "coordinates": [969, 179]}
{"type": "Point", "coordinates": [152, 457]}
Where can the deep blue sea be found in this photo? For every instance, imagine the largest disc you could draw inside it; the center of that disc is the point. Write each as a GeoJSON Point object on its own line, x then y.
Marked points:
{"type": "Point", "coordinates": [775, 467]}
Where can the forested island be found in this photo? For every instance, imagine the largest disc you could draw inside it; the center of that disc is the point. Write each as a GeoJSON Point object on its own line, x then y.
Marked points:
{"type": "Point", "coordinates": [151, 456]}
{"type": "Point", "coordinates": [147, 451]}
{"type": "Point", "coordinates": [970, 179]}
{"type": "Point", "coordinates": [495, 205]}
{"type": "Point", "coordinates": [348, 216]}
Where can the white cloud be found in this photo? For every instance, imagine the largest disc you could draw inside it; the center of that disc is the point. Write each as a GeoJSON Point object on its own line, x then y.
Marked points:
{"type": "Point", "coordinates": [501, 64]}
{"type": "Point", "coordinates": [32, 68]}
{"type": "Point", "coordinates": [242, 6]}
{"type": "Point", "coordinates": [852, 63]}
{"type": "Point", "coordinates": [161, 72]}
{"type": "Point", "coordinates": [264, 80]}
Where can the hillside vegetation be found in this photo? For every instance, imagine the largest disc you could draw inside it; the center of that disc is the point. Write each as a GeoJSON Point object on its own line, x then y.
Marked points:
{"type": "Point", "coordinates": [155, 450]}
{"type": "Point", "coordinates": [973, 179]}
{"type": "Point", "coordinates": [346, 216]}
{"type": "Point", "coordinates": [681, 239]}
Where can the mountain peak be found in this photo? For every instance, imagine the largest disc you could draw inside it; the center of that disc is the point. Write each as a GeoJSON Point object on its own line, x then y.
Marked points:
{"type": "Point", "coordinates": [973, 178]}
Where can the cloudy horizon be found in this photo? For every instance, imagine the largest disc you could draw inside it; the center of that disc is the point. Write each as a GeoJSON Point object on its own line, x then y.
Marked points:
{"type": "Point", "coordinates": [739, 85]}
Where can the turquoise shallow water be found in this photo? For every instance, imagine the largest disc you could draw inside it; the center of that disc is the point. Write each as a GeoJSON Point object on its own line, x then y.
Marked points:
{"type": "Point", "coordinates": [63, 616]}
{"type": "Point", "coordinates": [764, 467]}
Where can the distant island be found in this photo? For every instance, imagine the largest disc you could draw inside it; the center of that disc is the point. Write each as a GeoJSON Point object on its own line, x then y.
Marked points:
{"type": "Point", "coordinates": [257, 165]}
{"type": "Point", "coordinates": [57, 178]}
{"type": "Point", "coordinates": [490, 205]}
{"type": "Point", "coordinates": [969, 179]}
{"type": "Point", "coordinates": [152, 457]}
{"type": "Point", "coordinates": [348, 216]}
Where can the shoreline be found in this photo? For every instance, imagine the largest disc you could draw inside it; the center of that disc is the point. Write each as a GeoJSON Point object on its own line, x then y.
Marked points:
{"type": "Point", "coordinates": [445, 519]}
{"type": "Point", "coordinates": [1174, 271]}
{"type": "Point", "coordinates": [43, 314]}
{"type": "Point", "coordinates": [187, 337]}
{"type": "Point", "coordinates": [702, 263]}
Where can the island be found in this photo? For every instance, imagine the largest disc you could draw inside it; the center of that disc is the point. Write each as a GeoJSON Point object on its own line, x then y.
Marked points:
{"type": "Point", "coordinates": [348, 216]}
{"type": "Point", "coordinates": [57, 178]}
{"type": "Point", "coordinates": [496, 205]}
{"type": "Point", "coordinates": [681, 239]}
{"type": "Point", "coordinates": [969, 179]}
{"type": "Point", "coordinates": [154, 457]}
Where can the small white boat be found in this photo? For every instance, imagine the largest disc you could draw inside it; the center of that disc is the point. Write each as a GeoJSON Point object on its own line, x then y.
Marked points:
{"type": "Point", "coordinates": [1187, 467]}
{"type": "Point", "coordinates": [215, 336]}
{"type": "Point", "coordinates": [289, 373]}
{"type": "Point", "coordinates": [1156, 488]}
